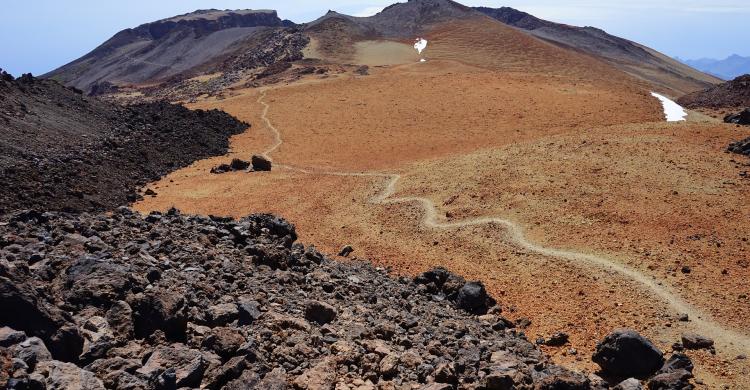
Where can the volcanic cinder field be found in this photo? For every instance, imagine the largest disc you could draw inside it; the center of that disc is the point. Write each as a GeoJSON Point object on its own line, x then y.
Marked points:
{"type": "Point", "coordinates": [560, 186]}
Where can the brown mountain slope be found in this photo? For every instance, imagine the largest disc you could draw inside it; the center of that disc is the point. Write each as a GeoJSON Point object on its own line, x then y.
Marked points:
{"type": "Point", "coordinates": [633, 58]}
{"type": "Point", "coordinates": [455, 33]}
{"type": "Point", "coordinates": [170, 47]}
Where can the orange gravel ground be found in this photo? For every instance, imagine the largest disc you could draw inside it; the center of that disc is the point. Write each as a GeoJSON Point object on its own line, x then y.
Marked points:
{"type": "Point", "coordinates": [559, 155]}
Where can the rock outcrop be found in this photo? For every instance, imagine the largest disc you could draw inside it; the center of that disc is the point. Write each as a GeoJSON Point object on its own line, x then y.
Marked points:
{"type": "Point", "coordinates": [61, 150]}
{"type": "Point", "coordinates": [731, 94]}
{"type": "Point", "coordinates": [741, 118]}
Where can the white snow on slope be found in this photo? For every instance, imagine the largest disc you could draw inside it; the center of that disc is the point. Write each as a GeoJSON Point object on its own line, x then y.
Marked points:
{"type": "Point", "coordinates": [420, 45]}
{"type": "Point", "coordinates": [673, 111]}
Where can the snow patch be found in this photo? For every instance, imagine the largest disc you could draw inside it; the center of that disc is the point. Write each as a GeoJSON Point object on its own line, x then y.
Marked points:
{"type": "Point", "coordinates": [419, 46]}
{"type": "Point", "coordinates": [673, 111]}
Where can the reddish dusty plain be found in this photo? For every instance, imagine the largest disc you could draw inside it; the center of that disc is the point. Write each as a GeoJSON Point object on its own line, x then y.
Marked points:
{"type": "Point", "coordinates": [577, 164]}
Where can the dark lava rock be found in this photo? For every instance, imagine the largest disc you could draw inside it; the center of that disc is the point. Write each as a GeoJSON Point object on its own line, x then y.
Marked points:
{"type": "Point", "coordinates": [239, 304]}
{"type": "Point", "coordinates": [10, 336]}
{"type": "Point", "coordinates": [90, 155]}
{"type": "Point", "coordinates": [239, 165]}
{"type": "Point", "coordinates": [740, 147]}
{"type": "Point", "coordinates": [675, 380]}
{"type": "Point", "coordinates": [5, 76]}
{"type": "Point", "coordinates": [319, 312]}
{"type": "Point", "coordinates": [695, 341]}
{"type": "Point", "coordinates": [363, 70]}
{"type": "Point", "coordinates": [624, 353]}
{"type": "Point", "coordinates": [733, 93]}
{"type": "Point", "coordinates": [249, 311]}
{"type": "Point", "coordinates": [678, 361]}
{"type": "Point", "coordinates": [558, 339]}
{"type": "Point", "coordinates": [261, 163]}
{"type": "Point", "coordinates": [235, 165]}
{"type": "Point", "coordinates": [741, 118]}
{"type": "Point", "coordinates": [346, 251]}
{"type": "Point", "coordinates": [555, 377]}
{"type": "Point", "coordinates": [36, 317]}
{"type": "Point", "coordinates": [159, 310]}
{"type": "Point", "coordinates": [473, 298]}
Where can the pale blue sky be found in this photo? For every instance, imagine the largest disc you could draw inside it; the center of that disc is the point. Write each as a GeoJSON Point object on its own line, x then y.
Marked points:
{"type": "Point", "coordinates": [40, 35]}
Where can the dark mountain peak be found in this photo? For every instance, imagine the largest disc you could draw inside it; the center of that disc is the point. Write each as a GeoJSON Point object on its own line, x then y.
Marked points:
{"type": "Point", "coordinates": [412, 17]}
{"type": "Point", "coordinates": [426, 8]}
{"type": "Point", "coordinates": [514, 17]}
{"type": "Point", "coordinates": [397, 20]}
{"type": "Point", "coordinates": [205, 22]}
{"type": "Point", "coordinates": [174, 47]}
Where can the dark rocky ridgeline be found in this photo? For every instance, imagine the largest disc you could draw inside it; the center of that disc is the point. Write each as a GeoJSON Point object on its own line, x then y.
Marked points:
{"type": "Point", "coordinates": [731, 94]}
{"type": "Point", "coordinates": [741, 118]}
{"type": "Point", "coordinates": [171, 301]}
{"type": "Point", "coordinates": [60, 150]}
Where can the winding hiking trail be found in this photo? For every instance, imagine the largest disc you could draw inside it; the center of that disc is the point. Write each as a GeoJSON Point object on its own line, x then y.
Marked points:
{"type": "Point", "coordinates": [699, 320]}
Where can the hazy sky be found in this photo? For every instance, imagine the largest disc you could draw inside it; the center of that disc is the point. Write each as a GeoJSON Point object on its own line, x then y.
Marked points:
{"type": "Point", "coordinates": [40, 35]}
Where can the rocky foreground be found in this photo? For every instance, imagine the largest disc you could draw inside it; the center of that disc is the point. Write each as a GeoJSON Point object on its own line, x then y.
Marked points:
{"type": "Point", "coordinates": [124, 301]}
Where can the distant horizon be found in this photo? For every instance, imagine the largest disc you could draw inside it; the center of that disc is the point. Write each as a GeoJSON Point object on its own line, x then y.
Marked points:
{"type": "Point", "coordinates": [712, 58]}
{"type": "Point", "coordinates": [694, 30]}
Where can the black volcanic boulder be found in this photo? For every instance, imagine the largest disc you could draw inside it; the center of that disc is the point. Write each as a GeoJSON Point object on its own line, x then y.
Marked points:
{"type": "Point", "coordinates": [23, 309]}
{"type": "Point", "coordinates": [91, 282]}
{"type": "Point", "coordinates": [473, 298]}
{"type": "Point", "coordinates": [261, 163]}
{"type": "Point", "coordinates": [624, 353]}
{"type": "Point", "coordinates": [159, 310]}
{"type": "Point", "coordinates": [678, 361]}
{"type": "Point", "coordinates": [675, 380]}
{"type": "Point", "coordinates": [4, 76]}
{"type": "Point", "coordinates": [239, 165]}
{"type": "Point", "coordinates": [696, 341]}
{"type": "Point", "coordinates": [741, 118]}
{"type": "Point", "coordinates": [319, 312]}
{"type": "Point", "coordinates": [740, 147]}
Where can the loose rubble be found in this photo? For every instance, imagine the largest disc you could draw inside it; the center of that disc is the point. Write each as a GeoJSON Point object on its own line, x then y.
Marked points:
{"type": "Point", "coordinates": [125, 301]}
{"type": "Point", "coordinates": [89, 155]}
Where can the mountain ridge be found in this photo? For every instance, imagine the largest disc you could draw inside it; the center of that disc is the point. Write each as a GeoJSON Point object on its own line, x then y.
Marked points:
{"type": "Point", "coordinates": [167, 47]}
{"type": "Point", "coordinates": [631, 57]}
{"type": "Point", "coordinates": [189, 45]}
{"type": "Point", "coordinates": [729, 68]}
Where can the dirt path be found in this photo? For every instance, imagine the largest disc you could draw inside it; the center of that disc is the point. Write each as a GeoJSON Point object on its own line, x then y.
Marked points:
{"type": "Point", "coordinates": [700, 321]}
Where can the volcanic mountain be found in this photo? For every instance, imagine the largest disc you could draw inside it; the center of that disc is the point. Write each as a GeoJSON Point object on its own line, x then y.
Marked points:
{"type": "Point", "coordinates": [631, 57]}
{"type": "Point", "coordinates": [175, 46]}
{"type": "Point", "coordinates": [210, 41]}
